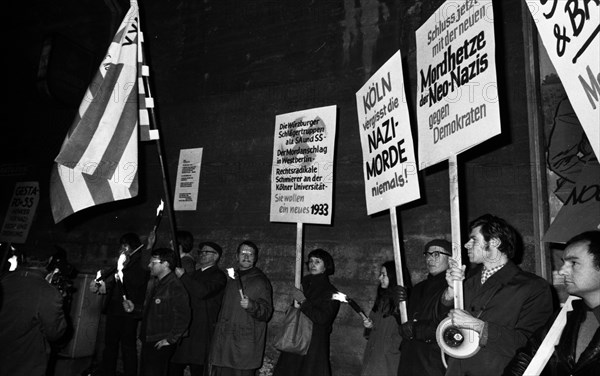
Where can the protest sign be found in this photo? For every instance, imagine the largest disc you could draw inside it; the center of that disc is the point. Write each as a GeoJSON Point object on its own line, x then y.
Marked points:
{"type": "Point", "coordinates": [188, 179]}
{"type": "Point", "coordinates": [389, 165]}
{"type": "Point", "coordinates": [302, 174]}
{"type": "Point", "coordinates": [457, 95]}
{"type": "Point", "coordinates": [581, 209]}
{"type": "Point", "coordinates": [21, 211]}
{"type": "Point", "coordinates": [570, 32]}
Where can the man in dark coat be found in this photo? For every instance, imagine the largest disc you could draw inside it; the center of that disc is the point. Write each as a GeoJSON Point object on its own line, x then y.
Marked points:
{"type": "Point", "coordinates": [166, 314]}
{"type": "Point", "coordinates": [419, 351]}
{"type": "Point", "coordinates": [121, 327]}
{"type": "Point", "coordinates": [31, 316]}
{"type": "Point", "coordinates": [205, 286]}
{"type": "Point", "coordinates": [578, 349]}
{"type": "Point", "coordinates": [504, 304]}
{"type": "Point", "coordinates": [239, 340]}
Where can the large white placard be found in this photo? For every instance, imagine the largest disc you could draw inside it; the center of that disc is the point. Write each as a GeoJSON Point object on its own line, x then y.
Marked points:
{"type": "Point", "coordinates": [457, 95]}
{"type": "Point", "coordinates": [389, 165]}
{"type": "Point", "coordinates": [302, 175]}
{"type": "Point", "coordinates": [21, 211]}
{"type": "Point", "coordinates": [570, 32]}
{"type": "Point", "coordinates": [188, 179]}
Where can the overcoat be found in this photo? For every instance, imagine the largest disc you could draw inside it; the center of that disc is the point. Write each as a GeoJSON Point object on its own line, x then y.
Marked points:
{"type": "Point", "coordinates": [31, 315]}
{"type": "Point", "coordinates": [420, 354]}
{"type": "Point", "coordinates": [382, 353]}
{"type": "Point", "coordinates": [514, 304]}
{"type": "Point", "coordinates": [206, 288]}
{"type": "Point", "coordinates": [563, 361]}
{"type": "Point", "coordinates": [240, 334]}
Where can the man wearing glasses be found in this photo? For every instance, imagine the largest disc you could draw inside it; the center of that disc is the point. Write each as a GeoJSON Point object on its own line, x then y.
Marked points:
{"type": "Point", "coordinates": [166, 314]}
{"type": "Point", "coordinates": [419, 351]}
{"type": "Point", "coordinates": [205, 286]}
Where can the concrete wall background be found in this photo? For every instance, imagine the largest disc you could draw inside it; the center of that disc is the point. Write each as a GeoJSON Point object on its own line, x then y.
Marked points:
{"type": "Point", "coordinates": [221, 71]}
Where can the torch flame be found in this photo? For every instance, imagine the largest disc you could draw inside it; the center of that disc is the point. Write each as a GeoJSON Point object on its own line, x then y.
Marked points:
{"type": "Point", "coordinates": [160, 207]}
{"type": "Point", "coordinates": [120, 266]}
{"type": "Point", "coordinates": [13, 263]}
{"type": "Point", "coordinates": [340, 297]}
{"type": "Point", "coordinates": [98, 275]}
{"type": "Point", "coordinates": [231, 273]}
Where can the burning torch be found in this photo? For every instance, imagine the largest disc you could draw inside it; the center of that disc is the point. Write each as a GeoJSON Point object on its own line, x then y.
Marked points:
{"type": "Point", "coordinates": [159, 212]}
{"type": "Point", "coordinates": [119, 275]}
{"type": "Point", "coordinates": [344, 299]}
{"type": "Point", "coordinates": [231, 272]}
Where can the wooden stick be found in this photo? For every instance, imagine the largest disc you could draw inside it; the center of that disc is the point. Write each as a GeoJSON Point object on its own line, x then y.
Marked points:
{"type": "Point", "coordinates": [546, 349]}
{"type": "Point", "coordinates": [298, 273]}
{"type": "Point", "coordinates": [455, 226]}
{"type": "Point", "coordinates": [398, 260]}
{"type": "Point", "coordinates": [163, 168]}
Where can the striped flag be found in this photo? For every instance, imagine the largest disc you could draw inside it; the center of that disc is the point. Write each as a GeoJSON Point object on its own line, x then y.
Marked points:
{"type": "Point", "coordinates": [98, 160]}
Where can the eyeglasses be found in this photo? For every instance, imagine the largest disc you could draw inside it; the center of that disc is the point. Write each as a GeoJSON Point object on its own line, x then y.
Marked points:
{"type": "Point", "coordinates": [435, 254]}
{"type": "Point", "coordinates": [155, 262]}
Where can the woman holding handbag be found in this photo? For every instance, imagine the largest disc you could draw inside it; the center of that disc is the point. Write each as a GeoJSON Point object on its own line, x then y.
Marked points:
{"type": "Point", "coordinates": [316, 303]}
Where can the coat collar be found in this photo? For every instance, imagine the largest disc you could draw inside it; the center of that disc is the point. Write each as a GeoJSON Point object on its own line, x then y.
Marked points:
{"type": "Point", "coordinates": [565, 350]}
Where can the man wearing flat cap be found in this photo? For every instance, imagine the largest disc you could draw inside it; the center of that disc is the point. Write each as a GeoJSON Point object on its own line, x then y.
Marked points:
{"type": "Point", "coordinates": [419, 351]}
{"type": "Point", "coordinates": [205, 287]}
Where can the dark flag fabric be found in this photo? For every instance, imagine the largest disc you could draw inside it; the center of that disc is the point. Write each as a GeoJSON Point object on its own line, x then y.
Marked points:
{"type": "Point", "coordinates": [98, 160]}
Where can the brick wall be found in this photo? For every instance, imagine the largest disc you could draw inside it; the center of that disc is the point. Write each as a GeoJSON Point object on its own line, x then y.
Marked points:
{"type": "Point", "coordinates": [221, 71]}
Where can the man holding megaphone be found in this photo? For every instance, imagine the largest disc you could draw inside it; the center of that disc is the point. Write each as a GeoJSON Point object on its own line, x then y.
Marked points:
{"type": "Point", "coordinates": [503, 304]}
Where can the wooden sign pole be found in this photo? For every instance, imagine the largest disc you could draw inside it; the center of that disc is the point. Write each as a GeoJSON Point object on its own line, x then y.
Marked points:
{"type": "Point", "coordinates": [455, 227]}
{"type": "Point", "coordinates": [398, 260]}
{"type": "Point", "coordinates": [298, 273]}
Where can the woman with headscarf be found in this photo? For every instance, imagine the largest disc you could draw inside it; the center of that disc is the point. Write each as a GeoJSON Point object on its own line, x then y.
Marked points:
{"type": "Point", "coordinates": [316, 303]}
{"type": "Point", "coordinates": [382, 354]}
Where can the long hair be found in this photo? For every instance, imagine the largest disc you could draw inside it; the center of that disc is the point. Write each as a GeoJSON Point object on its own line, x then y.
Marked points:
{"type": "Point", "coordinates": [384, 302]}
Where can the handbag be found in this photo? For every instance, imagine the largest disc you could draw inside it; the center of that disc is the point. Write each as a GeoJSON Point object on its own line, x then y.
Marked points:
{"type": "Point", "coordinates": [296, 332]}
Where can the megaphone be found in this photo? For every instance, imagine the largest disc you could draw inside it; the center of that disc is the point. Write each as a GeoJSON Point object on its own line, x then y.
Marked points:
{"type": "Point", "coordinates": [457, 342]}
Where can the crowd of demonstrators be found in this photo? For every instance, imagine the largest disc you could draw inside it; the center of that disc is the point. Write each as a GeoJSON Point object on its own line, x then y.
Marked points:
{"type": "Point", "coordinates": [382, 353]}
{"type": "Point", "coordinates": [239, 340]}
{"type": "Point", "coordinates": [316, 303]}
{"type": "Point", "coordinates": [205, 286]}
{"type": "Point", "coordinates": [121, 327]}
{"type": "Point", "coordinates": [31, 317]}
{"type": "Point", "coordinates": [578, 350]}
{"type": "Point", "coordinates": [419, 352]}
{"type": "Point", "coordinates": [215, 325]}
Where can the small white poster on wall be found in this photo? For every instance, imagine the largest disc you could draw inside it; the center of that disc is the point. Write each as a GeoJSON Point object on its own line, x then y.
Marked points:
{"type": "Point", "coordinates": [21, 210]}
{"type": "Point", "coordinates": [188, 179]}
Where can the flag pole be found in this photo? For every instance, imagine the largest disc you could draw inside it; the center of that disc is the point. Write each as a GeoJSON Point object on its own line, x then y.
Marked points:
{"type": "Point", "coordinates": [155, 126]}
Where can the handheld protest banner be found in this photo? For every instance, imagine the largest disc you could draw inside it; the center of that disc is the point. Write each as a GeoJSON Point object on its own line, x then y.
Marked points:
{"type": "Point", "coordinates": [302, 172]}
{"type": "Point", "coordinates": [457, 109]}
{"type": "Point", "coordinates": [570, 36]}
{"type": "Point", "coordinates": [389, 165]}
